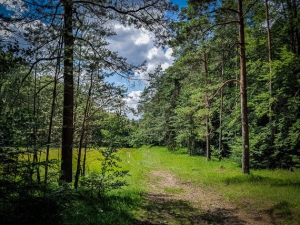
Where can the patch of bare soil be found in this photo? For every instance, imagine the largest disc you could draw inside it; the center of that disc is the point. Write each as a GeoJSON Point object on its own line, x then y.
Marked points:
{"type": "Point", "coordinates": [171, 202]}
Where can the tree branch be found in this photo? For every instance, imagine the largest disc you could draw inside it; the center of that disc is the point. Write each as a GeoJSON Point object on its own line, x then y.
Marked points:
{"type": "Point", "coordinates": [220, 88]}
{"type": "Point", "coordinates": [115, 8]}
{"type": "Point", "coordinates": [250, 6]}
{"type": "Point", "coordinates": [224, 9]}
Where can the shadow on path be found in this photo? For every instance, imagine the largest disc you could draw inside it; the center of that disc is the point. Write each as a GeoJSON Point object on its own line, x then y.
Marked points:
{"type": "Point", "coordinates": [162, 209]}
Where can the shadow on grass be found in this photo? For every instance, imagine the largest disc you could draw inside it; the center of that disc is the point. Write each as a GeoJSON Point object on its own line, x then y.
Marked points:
{"type": "Point", "coordinates": [79, 210]}
{"type": "Point", "coordinates": [109, 210]}
{"type": "Point", "coordinates": [262, 180]}
{"type": "Point", "coordinates": [34, 211]}
{"type": "Point", "coordinates": [282, 212]}
{"type": "Point", "coordinates": [160, 209]}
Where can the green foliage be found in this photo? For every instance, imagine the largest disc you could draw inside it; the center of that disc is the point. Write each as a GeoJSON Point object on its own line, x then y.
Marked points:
{"type": "Point", "coordinates": [206, 49]}
{"type": "Point", "coordinates": [116, 131]}
{"type": "Point", "coordinates": [180, 109]}
{"type": "Point", "coordinates": [112, 209]}
{"type": "Point", "coordinates": [108, 177]}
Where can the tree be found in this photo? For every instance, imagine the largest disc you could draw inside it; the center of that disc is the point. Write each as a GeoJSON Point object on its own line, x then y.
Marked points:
{"type": "Point", "coordinates": [67, 126]}
{"type": "Point", "coordinates": [202, 8]}
{"type": "Point", "coordinates": [70, 21]}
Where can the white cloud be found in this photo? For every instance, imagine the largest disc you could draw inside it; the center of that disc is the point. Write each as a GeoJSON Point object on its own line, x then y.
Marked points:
{"type": "Point", "coordinates": [133, 98]}
{"type": "Point", "coordinates": [169, 53]}
{"type": "Point", "coordinates": [144, 38]}
{"type": "Point", "coordinates": [132, 101]}
{"type": "Point", "coordinates": [156, 56]}
{"type": "Point", "coordinates": [137, 45]}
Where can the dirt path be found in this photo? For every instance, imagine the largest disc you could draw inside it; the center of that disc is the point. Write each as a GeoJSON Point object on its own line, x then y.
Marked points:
{"type": "Point", "coordinates": [171, 202]}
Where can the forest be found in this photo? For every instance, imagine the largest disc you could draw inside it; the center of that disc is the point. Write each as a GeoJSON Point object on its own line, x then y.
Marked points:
{"type": "Point", "coordinates": [232, 84]}
{"type": "Point", "coordinates": [232, 95]}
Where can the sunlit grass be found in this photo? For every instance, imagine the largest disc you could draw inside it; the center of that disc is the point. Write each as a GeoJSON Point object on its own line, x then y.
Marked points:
{"type": "Point", "coordinates": [275, 191]}
{"type": "Point", "coordinates": [266, 189]}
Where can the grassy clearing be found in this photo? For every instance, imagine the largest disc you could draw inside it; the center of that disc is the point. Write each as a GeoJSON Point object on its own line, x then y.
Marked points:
{"type": "Point", "coordinates": [276, 191]}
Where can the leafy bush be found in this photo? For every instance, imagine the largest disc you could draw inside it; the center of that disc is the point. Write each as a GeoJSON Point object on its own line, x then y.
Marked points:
{"type": "Point", "coordinates": [109, 176]}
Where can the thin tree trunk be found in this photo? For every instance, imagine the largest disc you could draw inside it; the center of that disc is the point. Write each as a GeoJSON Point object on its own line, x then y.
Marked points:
{"type": "Point", "coordinates": [221, 111]}
{"type": "Point", "coordinates": [272, 136]}
{"type": "Point", "coordinates": [35, 154]}
{"type": "Point", "coordinates": [67, 129]}
{"type": "Point", "coordinates": [83, 128]}
{"type": "Point", "coordinates": [207, 119]}
{"type": "Point", "coordinates": [84, 156]}
{"type": "Point", "coordinates": [238, 86]}
{"type": "Point", "coordinates": [57, 69]}
{"type": "Point", "coordinates": [270, 58]}
{"type": "Point", "coordinates": [208, 152]}
{"type": "Point", "coordinates": [76, 100]}
{"type": "Point", "coordinates": [243, 90]}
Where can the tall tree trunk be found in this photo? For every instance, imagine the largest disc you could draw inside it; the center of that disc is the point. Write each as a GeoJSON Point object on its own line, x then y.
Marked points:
{"type": "Point", "coordinates": [67, 129]}
{"type": "Point", "coordinates": [243, 90]}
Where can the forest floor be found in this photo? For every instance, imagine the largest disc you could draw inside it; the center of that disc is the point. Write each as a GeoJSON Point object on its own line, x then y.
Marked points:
{"type": "Point", "coordinates": [169, 201]}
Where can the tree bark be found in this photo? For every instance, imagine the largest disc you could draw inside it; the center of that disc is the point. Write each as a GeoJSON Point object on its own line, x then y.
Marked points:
{"type": "Point", "coordinates": [243, 90]}
{"type": "Point", "coordinates": [67, 130]}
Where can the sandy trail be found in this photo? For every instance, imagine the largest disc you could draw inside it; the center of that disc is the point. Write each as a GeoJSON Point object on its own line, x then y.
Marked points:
{"type": "Point", "coordinates": [171, 202]}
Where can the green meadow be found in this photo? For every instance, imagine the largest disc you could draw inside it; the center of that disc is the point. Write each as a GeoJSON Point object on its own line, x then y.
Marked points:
{"type": "Point", "coordinates": [276, 192]}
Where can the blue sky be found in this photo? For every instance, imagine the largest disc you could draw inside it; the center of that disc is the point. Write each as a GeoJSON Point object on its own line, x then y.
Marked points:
{"type": "Point", "coordinates": [180, 2]}
{"type": "Point", "coordinates": [138, 48]}
{"type": "Point", "coordinates": [137, 45]}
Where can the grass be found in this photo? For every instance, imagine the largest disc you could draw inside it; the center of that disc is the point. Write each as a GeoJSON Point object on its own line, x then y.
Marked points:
{"type": "Point", "coordinates": [69, 206]}
{"type": "Point", "coordinates": [173, 190]}
{"type": "Point", "coordinates": [275, 191]}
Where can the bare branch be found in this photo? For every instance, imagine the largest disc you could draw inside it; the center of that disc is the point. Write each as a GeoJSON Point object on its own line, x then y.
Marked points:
{"type": "Point", "coordinates": [250, 6]}
{"type": "Point", "coordinates": [116, 9]}
{"type": "Point", "coordinates": [220, 88]}
{"type": "Point", "coordinates": [36, 62]}
{"type": "Point", "coordinates": [224, 9]}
